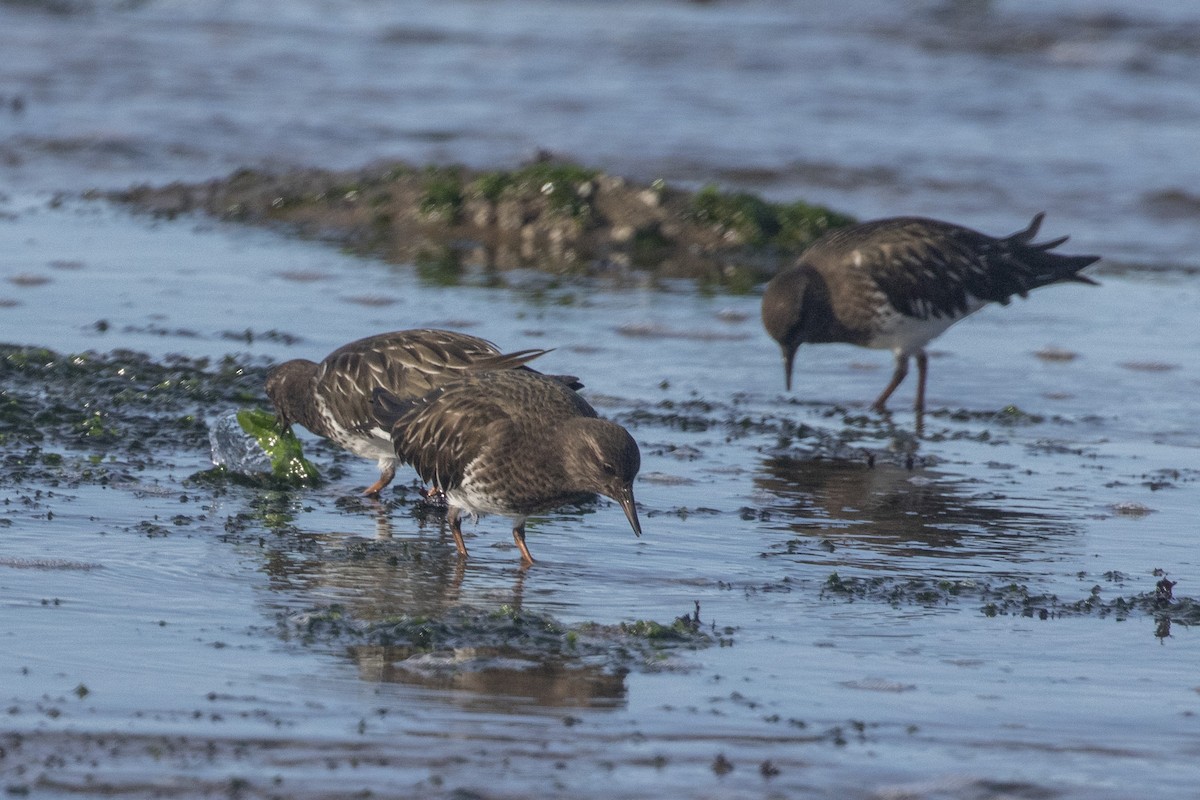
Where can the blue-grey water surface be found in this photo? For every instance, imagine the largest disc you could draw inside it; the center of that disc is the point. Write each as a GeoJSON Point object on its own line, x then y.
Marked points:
{"type": "Point", "coordinates": [979, 112]}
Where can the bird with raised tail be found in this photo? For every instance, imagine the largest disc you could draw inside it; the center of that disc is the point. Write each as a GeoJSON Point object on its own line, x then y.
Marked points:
{"type": "Point", "coordinates": [511, 443]}
{"type": "Point", "coordinates": [895, 284]}
{"type": "Point", "coordinates": [332, 399]}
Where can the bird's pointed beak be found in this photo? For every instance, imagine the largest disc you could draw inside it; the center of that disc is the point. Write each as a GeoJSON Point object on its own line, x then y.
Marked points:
{"type": "Point", "coordinates": [626, 500]}
{"type": "Point", "coordinates": [789, 357]}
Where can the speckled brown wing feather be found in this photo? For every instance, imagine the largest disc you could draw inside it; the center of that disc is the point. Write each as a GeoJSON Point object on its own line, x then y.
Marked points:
{"type": "Point", "coordinates": [927, 268]}
{"type": "Point", "coordinates": [407, 364]}
{"type": "Point", "coordinates": [442, 433]}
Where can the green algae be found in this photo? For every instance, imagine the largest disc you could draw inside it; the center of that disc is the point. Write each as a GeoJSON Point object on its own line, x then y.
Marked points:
{"type": "Point", "coordinates": [442, 197]}
{"type": "Point", "coordinates": [108, 418]}
{"type": "Point", "coordinates": [757, 222]}
{"type": "Point", "coordinates": [564, 186]}
{"type": "Point", "coordinates": [742, 213]}
{"type": "Point", "coordinates": [123, 405]}
{"type": "Point", "coordinates": [281, 446]}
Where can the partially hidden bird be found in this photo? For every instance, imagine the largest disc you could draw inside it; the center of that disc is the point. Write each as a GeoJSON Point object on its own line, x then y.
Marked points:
{"type": "Point", "coordinates": [897, 283]}
{"type": "Point", "coordinates": [332, 399]}
{"type": "Point", "coordinates": [511, 443]}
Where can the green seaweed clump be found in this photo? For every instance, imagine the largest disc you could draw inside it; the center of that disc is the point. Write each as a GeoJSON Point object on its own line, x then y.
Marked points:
{"type": "Point", "coordinates": [680, 630]}
{"type": "Point", "coordinates": [282, 447]}
{"type": "Point", "coordinates": [443, 196]}
{"type": "Point", "coordinates": [801, 223]}
{"type": "Point", "coordinates": [757, 222]}
{"type": "Point", "coordinates": [566, 187]}
{"type": "Point", "coordinates": [742, 213]}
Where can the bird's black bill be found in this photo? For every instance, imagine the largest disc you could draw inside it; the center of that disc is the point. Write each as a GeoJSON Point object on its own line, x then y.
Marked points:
{"type": "Point", "coordinates": [626, 501]}
{"type": "Point", "coordinates": [789, 357]}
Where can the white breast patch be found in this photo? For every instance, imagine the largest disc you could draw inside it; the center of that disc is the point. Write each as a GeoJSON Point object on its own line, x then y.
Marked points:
{"type": "Point", "coordinates": [905, 335]}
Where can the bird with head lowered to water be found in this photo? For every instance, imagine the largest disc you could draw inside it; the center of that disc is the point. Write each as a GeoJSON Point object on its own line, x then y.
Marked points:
{"type": "Point", "coordinates": [898, 283]}
{"type": "Point", "coordinates": [513, 443]}
{"type": "Point", "coordinates": [332, 398]}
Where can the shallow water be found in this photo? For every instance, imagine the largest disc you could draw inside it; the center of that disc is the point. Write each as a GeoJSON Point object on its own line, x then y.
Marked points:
{"type": "Point", "coordinates": [151, 646]}
{"type": "Point", "coordinates": [981, 112]}
{"type": "Point", "coordinates": [179, 641]}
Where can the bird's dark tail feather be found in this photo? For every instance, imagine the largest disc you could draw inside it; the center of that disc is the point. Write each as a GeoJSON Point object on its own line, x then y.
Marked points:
{"type": "Point", "coordinates": [519, 360]}
{"type": "Point", "coordinates": [1049, 267]}
{"type": "Point", "coordinates": [1026, 236]}
{"type": "Point", "coordinates": [570, 381]}
{"type": "Point", "coordinates": [505, 360]}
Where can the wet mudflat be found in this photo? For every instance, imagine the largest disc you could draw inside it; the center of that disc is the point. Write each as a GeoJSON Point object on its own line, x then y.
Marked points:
{"type": "Point", "coordinates": [975, 611]}
{"type": "Point", "coordinates": [824, 604]}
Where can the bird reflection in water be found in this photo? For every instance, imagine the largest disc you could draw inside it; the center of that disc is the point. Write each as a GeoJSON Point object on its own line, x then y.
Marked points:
{"type": "Point", "coordinates": [472, 612]}
{"type": "Point", "coordinates": [494, 676]}
{"type": "Point", "coordinates": [894, 510]}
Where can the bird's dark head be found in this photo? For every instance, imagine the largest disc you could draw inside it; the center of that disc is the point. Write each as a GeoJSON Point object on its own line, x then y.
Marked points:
{"type": "Point", "coordinates": [289, 387]}
{"type": "Point", "coordinates": [784, 313]}
{"type": "Point", "coordinates": [603, 458]}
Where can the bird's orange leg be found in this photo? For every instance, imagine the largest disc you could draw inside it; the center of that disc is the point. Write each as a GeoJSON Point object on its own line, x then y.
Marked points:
{"type": "Point", "coordinates": [454, 517]}
{"type": "Point", "coordinates": [519, 538]}
{"type": "Point", "coordinates": [897, 378]}
{"type": "Point", "coordinates": [922, 372]}
{"type": "Point", "coordinates": [385, 477]}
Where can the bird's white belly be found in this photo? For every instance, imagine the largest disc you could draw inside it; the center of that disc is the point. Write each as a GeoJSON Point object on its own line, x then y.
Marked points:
{"type": "Point", "coordinates": [477, 503]}
{"type": "Point", "coordinates": [373, 446]}
{"type": "Point", "coordinates": [905, 335]}
{"type": "Point", "coordinates": [473, 497]}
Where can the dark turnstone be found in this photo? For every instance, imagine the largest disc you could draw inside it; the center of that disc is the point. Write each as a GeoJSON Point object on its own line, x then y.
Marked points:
{"type": "Point", "coordinates": [511, 443]}
{"type": "Point", "coordinates": [333, 398]}
{"type": "Point", "coordinates": [895, 284]}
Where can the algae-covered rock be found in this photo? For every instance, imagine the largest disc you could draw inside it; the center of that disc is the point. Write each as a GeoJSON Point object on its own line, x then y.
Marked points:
{"type": "Point", "coordinates": [552, 215]}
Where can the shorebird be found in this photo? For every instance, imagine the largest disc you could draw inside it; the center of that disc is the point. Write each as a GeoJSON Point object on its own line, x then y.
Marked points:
{"type": "Point", "coordinates": [512, 443]}
{"type": "Point", "coordinates": [333, 398]}
{"type": "Point", "coordinates": [895, 284]}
